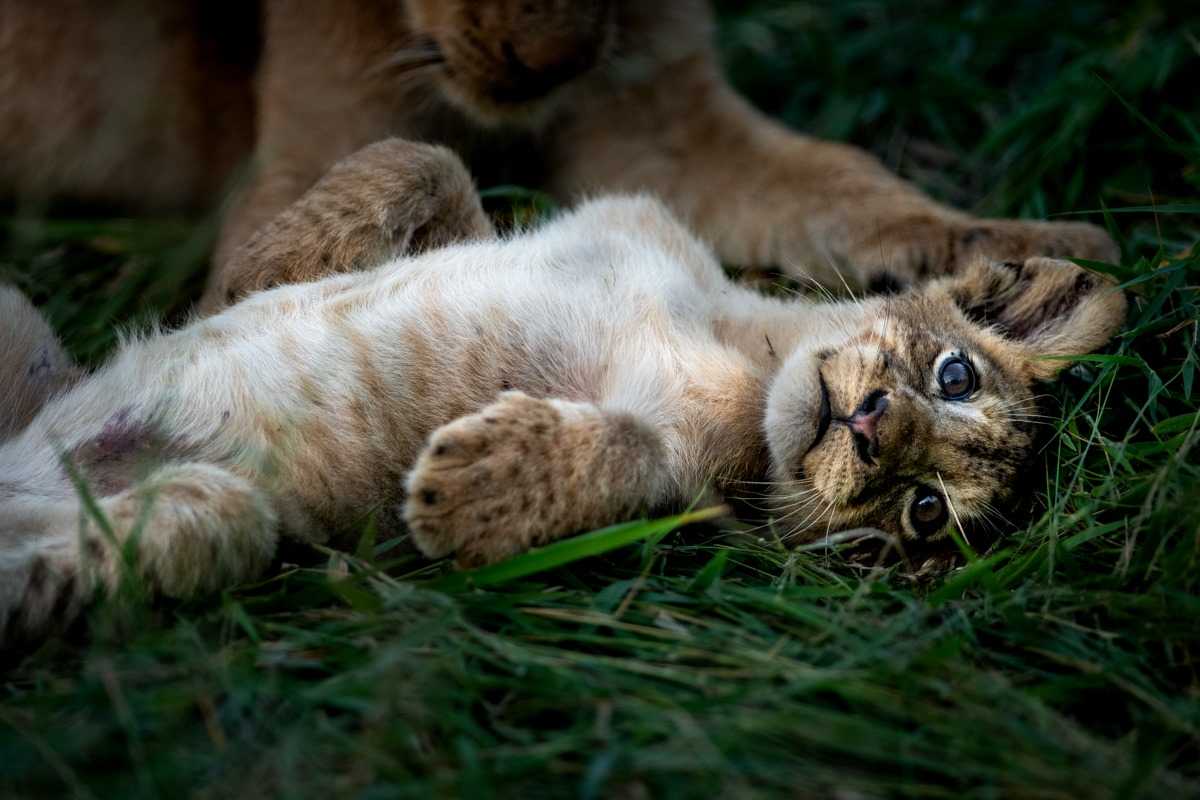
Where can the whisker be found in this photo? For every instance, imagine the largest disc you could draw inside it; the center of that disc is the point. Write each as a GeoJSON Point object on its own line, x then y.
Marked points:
{"type": "Point", "coordinates": [953, 511]}
{"type": "Point", "coordinates": [804, 524]}
{"type": "Point", "coordinates": [426, 54]}
{"type": "Point", "coordinates": [853, 535]}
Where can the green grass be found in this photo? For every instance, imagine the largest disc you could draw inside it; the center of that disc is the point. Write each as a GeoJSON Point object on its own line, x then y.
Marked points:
{"type": "Point", "coordinates": [1062, 664]}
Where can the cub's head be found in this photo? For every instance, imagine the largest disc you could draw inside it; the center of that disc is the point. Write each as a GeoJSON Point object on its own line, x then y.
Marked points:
{"type": "Point", "coordinates": [923, 415]}
{"type": "Point", "coordinates": [501, 58]}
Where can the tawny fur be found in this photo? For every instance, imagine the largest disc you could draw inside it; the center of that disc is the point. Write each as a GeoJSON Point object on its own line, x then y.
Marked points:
{"type": "Point", "coordinates": [164, 104]}
{"type": "Point", "coordinates": [497, 394]}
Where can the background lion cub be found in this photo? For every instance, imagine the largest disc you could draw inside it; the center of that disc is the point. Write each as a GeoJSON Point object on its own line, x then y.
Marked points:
{"type": "Point", "coordinates": [501, 393]}
{"type": "Point", "coordinates": [161, 104]}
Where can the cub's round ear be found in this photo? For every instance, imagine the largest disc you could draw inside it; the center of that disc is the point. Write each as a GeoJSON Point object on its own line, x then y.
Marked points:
{"type": "Point", "coordinates": [33, 365]}
{"type": "Point", "coordinates": [1050, 306]}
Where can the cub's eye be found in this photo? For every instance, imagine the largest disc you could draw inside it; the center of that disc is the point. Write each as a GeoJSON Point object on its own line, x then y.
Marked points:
{"type": "Point", "coordinates": [956, 377]}
{"type": "Point", "coordinates": [927, 512]}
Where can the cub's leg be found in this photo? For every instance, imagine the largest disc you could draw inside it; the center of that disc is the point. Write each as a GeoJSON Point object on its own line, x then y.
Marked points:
{"type": "Point", "coordinates": [390, 198]}
{"type": "Point", "coordinates": [33, 365]}
{"type": "Point", "coordinates": [765, 196]}
{"type": "Point", "coordinates": [523, 472]}
{"type": "Point", "coordinates": [199, 528]}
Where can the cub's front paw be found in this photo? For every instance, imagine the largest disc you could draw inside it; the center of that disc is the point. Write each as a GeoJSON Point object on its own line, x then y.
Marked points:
{"type": "Point", "coordinates": [487, 485]}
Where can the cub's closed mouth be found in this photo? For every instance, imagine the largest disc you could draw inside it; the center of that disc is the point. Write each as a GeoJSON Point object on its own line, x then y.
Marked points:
{"type": "Point", "coordinates": [825, 414]}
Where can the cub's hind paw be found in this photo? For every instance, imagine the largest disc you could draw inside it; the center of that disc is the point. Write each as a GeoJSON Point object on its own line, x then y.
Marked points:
{"type": "Point", "coordinates": [488, 485]}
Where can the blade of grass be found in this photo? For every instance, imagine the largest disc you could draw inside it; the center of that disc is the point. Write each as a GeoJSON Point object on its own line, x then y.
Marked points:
{"type": "Point", "coordinates": [573, 549]}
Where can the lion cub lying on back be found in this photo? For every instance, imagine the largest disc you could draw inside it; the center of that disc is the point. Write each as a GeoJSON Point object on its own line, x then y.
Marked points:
{"type": "Point", "coordinates": [504, 392]}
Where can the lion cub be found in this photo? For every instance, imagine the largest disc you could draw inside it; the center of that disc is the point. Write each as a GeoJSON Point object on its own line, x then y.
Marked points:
{"type": "Point", "coordinates": [153, 104]}
{"type": "Point", "coordinates": [496, 394]}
